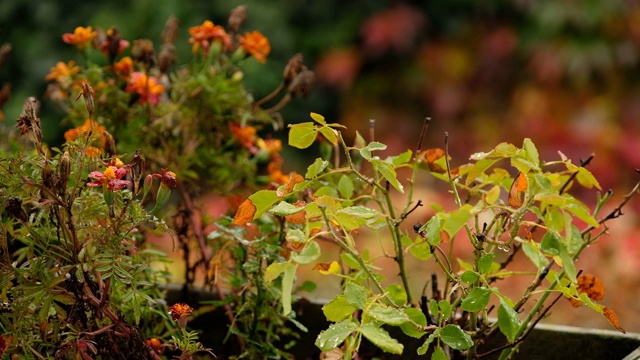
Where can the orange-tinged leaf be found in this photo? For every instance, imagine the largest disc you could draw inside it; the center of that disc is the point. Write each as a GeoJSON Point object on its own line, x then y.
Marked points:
{"type": "Point", "coordinates": [295, 245]}
{"type": "Point", "coordinates": [592, 286]}
{"type": "Point", "coordinates": [519, 186]}
{"type": "Point", "coordinates": [328, 268]}
{"type": "Point", "coordinates": [297, 218]}
{"type": "Point", "coordinates": [430, 156]}
{"type": "Point", "coordinates": [294, 178]}
{"type": "Point", "coordinates": [613, 318]}
{"type": "Point", "coordinates": [245, 213]}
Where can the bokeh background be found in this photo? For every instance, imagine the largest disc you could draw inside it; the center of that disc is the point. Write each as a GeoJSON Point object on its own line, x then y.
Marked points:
{"type": "Point", "coordinates": [564, 73]}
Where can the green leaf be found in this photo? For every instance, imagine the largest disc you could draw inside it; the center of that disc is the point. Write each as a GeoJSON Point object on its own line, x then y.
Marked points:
{"type": "Point", "coordinates": [439, 354]}
{"type": "Point", "coordinates": [478, 169]}
{"type": "Point", "coordinates": [263, 200]}
{"type": "Point", "coordinates": [338, 309]}
{"type": "Point", "coordinates": [417, 317]}
{"type": "Point", "coordinates": [295, 235]}
{"type": "Point", "coordinates": [477, 299]}
{"type": "Point", "coordinates": [433, 307]}
{"type": "Point", "coordinates": [421, 249]}
{"type": "Point", "coordinates": [345, 187]}
{"type": "Point", "coordinates": [374, 145]}
{"type": "Point", "coordinates": [318, 118]}
{"type": "Point", "coordinates": [550, 244]}
{"type": "Point", "coordinates": [309, 253]}
{"type": "Point", "coordinates": [397, 294]}
{"type": "Point", "coordinates": [505, 150]}
{"type": "Point", "coordinates": [425, 347]}
{"type": "Point", "coordinates": [381, 338]}
{"type": "Point", "coordinates": [568, 265]}
{"type": "Point", "coordinates": [456, 220]}
{"type": "Point", "coordinates": [302, 135]}
{"type": "Point", "coordinates": [388, 172]}
{"type": "Point", "coordinates": [332, 337]}
{"type": "Point", "coordinates": [508, 321]}
{"type": "Point", "coordinates": [484, 263]}
{"type": "Point", "coordinates": [400, 159]}
{"type": "Point", "coordinates": [287, 288]}
{"type": "Point", "coordinates": [582, 213]}
{"type": "Point", "coordinates": [355, 294]}
{"type": "Point", "coordinates": [329, 134]}
{"type": "Point", "coordinates": [531, 151]}
{"type": "Point", "coordinates": [283, 208]}
{"type": "Point", "coordinates": [469, 277]}
{"type": "Point", "coordinates": [492, 195]}
{"type": "Point", "coordinates": [316, 168]}
{"type": "Point", "coordinates": [532, 251]}
{"type": "Point", "coordinates": [274, 270]}
{"type": "Point", "coordinates": [453, 336]}
{"type": "Point", "coordinates": [359, 211]}
{"type": "Point", "coordinates": [445, 308]}
{"type": "Point", "coordinates": [432, 229]}
{"type": "Point", "coordinates": [388, 315]}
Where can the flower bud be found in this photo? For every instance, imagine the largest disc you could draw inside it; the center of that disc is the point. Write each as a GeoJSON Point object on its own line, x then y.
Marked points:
{"type": "Point", "coordinates": [49, 177]}
{"type": "Point", "coordinates": [301, 84]}
{"type": "Point", "coordinates": [87, 94]}
{"type": "Point", "coordinates": [237, 17]}
{"type": "Point", "coordinates": [142, 52]}
{"type": "Point", "coordinates": [170, 31]}
{"type": "Point", "coordinates": [136, 167]}
{"type": "Point", "coordinates": [293, 68]}
{"type": "Point", "coordinates": [148, 182]}
{"type": "Point", "coordinates": [109, 144]}
{"type": "Point", "coordinates": [167, 57]}
{"type": "Point", "coordinates": [64, 170]}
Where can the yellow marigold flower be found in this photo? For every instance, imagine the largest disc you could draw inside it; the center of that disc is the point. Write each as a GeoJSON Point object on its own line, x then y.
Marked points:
{"type": "Point", "coordinates": [124, 67]}
{"type": "Point", "coordinates": [256, 44]}
{"type": "Point", "coordinates": [203, 35]}
{"type": "Point", "coordinates": [81, 37]}
{"type": "Point", "coordinates": [73, 134]}
{"type": "Point", "coordinates": [148, 87]}
{"type": "Point", "coordinates": [63, 73]}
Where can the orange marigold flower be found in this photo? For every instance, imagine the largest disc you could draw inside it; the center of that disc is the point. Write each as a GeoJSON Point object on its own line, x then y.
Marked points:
{"type": "Point", "coordinates": [63, 73]}
{"type": "Point", "coordinates": [155, 345]}
{"type": "Point", "coordinates": [275, 173]}
{"type": "Point", "coordinates": [124, 67]}
{"type": "Point", "coordinates": [167, 179]}
{"type": "Point", "coordinates": [73, 134]}
{"type": "Point", "coordinates": [148, 87]}
{"type": "Point", "coordinates": [203, 35]}
{"type": "Point", "coordinates": [81, 37]}
{"type": "Point", "coordinates": [256, 44]}
{"type": "Point", "coordinates": [246, 135]}
{"type": "Point", "coordinates": [93, 152]}
{"type": "Point", "coordinates": [179, 313]}
{"type": "Point", "coordinates": [271, 146]}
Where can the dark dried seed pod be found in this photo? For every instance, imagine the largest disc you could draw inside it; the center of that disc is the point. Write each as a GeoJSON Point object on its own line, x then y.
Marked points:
{"type": "Point", "coordinates": [13, 207]}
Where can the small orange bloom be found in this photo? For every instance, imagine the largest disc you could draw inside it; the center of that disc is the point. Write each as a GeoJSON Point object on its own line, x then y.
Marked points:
{"type": "Point", "coordinates": [275, 173]}
{"type": "Point", "coordinates": [148, 87]}
{"type": "Point", "coordinates": [256, 44]}
{"type": "Point", "coordinates": [155, 345]}
{"type": "Point", "coordinates": [93, 152]}
{"type": "Point", "coordinates": [88, 125]}
{"type": "Point", "coordinates": [81, 37]}
{"type": "Point", "coordinates": [271, 146]}
{"type": "Point", "coordinates": [63, 73]}
{"type": "Point", "coordinates": [179, 313]}
{"type": "Point", "coordinates": [124, 67]}
{"type": "Point", "coordinates": [202, 36]}
{"type": "Point", "coordinates": [246, 135]}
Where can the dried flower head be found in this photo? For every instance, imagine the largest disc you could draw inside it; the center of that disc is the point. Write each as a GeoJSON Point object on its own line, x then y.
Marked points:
{"type": "Point", "coordinates": [204, 35]}
{"type": "Point", "coordinates": [237, 17]}
{"type": "Point", "coordinates": [142, 52]}
{"type": "Point", "coordinates": [294, 66]}
{"type": "Point", "coordinates": [170, 31]}
{"type": "Point", "coordinates": [64, 171]}
{"type": "Point", "coordinates": [302, 84]}
{"type": "Point", "coordinates": [81, 37]}
{"type": "Point", "coordinates": [167, 57]}
{"type": "Point", "coordinates": [109, 144]}
{"type": "Point", "coordinates": [256, 44]}
{"type": "Point", "coordinates": [113, 45]}
{"type": "Point", "coordinates": [87, 94]}
{"type": "Point", "coordinates": [29, 123]}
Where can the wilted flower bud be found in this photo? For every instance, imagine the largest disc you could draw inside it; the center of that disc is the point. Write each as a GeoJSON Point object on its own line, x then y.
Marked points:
{"type": "Point", "coordinates": [29, 123]}
{"type": "Point", "coordinates": [136, 167]}
{"type": "Point", "coordinates": [293, 68]}
{"type": "Point", "coordinates": [13, 207]}
{"type": "Point", "coordinates": [142, 52]}
{"type": "Point", "coordinates": [5, 50]}
{"type": "Point", "coordinates": [170, 31]}
{"type": "Point", "coordinates": [302, 83]}
{"type": "Point", "coordinates": [49, 177]}
{"type": "Point", "coordinates": [64, 171]}
{"type": "Point", "coordinates": [237, 17]}
{"type": "Point", "coordinates": [87, 94]}
{"type": "Point", "coordinates": [109, 144]}
{"type": "Point", "coordinates": [167, 57]}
